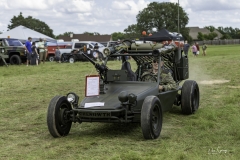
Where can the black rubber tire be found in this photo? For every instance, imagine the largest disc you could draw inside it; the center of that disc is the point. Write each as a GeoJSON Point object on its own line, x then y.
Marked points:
{"type": "Point", "coordinates": [190, 97]}
{"type": "Point", "coordinates": [51, 58]}
{"type": "Point", "coordinates": [151, 117]}
{"type": "Point", "coordinates": [71, 59]}
{"type": "Point", "coordinates": [15, 60]}
{"type": "Point", "coordinates": [58, 121]}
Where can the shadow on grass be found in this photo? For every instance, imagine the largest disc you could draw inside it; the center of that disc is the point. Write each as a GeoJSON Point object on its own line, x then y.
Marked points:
{"type": "Point", "coordinates": [110, 130]}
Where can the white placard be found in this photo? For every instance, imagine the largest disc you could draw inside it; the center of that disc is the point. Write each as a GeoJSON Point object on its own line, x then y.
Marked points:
{"type": "Point", "coordinates": [93, 104]}
{"type": "Point", "coordinates": [92, 85]}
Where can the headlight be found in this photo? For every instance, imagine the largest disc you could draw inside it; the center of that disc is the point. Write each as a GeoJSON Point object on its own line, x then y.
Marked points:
{"type": "Point", "coordinates": [72, 98]}
{"type": "Point", "coordinates": [2, 50]}
{"type": "Point", "coordinates": [123, 96]}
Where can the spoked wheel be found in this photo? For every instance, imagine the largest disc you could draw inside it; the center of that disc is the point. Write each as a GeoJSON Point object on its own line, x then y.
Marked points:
{"type": "Point", "coordinates": [58, 118]}
{"type": "Point", "coordinates": [151, 117]}
{"type": "Point", "coordinates": [190, 97]}
{"type": "Point", "coordinates": [149, 78]}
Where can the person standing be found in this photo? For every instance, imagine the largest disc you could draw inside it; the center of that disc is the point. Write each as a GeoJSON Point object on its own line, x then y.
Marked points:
{"type": "Point", "coordinates": [186, 47]}
{"type": "Point", "coordinates": [45, 47]}
{"type": "Point", "coordinates": [58, 55]}
{"type": "Point", "coordinates": [42, 52]}
{"type": "Point", "coordinates": [28, 46]}
{"type": "Point", "coordinates": [204, 48]}
{"type": "Point", "coordinates": [194, 50]}
{"type": "Point", "coordinates": [34, 53]}
{"type": "Point", "coordinates": [198, 49]}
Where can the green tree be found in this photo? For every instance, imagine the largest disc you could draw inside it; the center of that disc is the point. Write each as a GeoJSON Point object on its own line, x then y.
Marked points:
{"type": "Point", "coordinates": [200, 36]}
{"type": "Point", "coordinates": [118, 35]}
{"type": "Point", "coordinates": [210, 28]}
{"type": "Point", "coordinates": [91, 33]}
{"type": "Point", "coordinates": [132, 32]}
{"type": "Point", "coordinates": [64, 34]}
{"type": "Point", "coordinates": [163, 15]}
{"type": "Point", "coordinates": [32, 23]}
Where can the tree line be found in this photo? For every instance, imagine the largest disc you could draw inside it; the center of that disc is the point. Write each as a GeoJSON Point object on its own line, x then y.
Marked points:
{"type": "Point", "coordinates": [151, 19]}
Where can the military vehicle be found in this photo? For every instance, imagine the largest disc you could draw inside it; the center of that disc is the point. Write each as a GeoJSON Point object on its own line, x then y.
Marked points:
{"type": "Point", "coordinates": [127, 97]}
{"type": "Point", "coordinates": [3, 56]}
{"type": "Point", "coordinates": [14, 49]}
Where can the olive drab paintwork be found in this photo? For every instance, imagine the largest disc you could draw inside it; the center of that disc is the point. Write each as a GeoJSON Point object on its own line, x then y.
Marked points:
{"type": "Point", "coordinates": [15, 52]}
{"type": "Point", "coordinates": [166, 79]}
{"type": "Point", "coordinates": [3, 56]}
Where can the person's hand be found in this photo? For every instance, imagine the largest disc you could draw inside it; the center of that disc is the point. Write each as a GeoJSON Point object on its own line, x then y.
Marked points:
{"type": "Point", "coordinates": [160, 87]}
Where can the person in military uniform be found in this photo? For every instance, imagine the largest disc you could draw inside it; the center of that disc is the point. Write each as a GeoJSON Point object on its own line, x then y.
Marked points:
{"type": "Point", "coordinates": [166, 80]}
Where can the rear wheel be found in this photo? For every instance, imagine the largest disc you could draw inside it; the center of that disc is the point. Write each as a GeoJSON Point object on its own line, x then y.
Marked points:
{"type": "Point", "coordinates": [51, 58]}
{"type": "Point", "coordinates": [151, 117]}
{"type": "Point", "coordinates": [189, 97]}
{"type": "Point", "coordinates": [58, 119]}
{"type": "Point", "coordinates": [15, 60]}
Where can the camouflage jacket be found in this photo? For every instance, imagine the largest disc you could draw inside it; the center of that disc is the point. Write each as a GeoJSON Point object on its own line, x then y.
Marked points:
{"type": "Point", "coordinates": [166, 79]}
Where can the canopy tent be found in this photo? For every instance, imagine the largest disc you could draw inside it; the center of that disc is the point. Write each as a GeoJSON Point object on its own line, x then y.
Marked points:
{"type": "Point", "coordinates": [163, 35]}
{"type": "Point", "coordinates": [22, 33]}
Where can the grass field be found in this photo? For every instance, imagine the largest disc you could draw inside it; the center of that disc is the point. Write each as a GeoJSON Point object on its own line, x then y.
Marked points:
{"type": "Point", "coordinates": [213, 132]}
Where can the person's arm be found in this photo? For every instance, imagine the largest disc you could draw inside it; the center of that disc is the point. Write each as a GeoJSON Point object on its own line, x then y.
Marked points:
{"type": "Point", "coordinates": [171, 84]}
{"type": "Point", "coordinates": [36, 51]}
{"type": "Point", "coordinates": [26, 47]}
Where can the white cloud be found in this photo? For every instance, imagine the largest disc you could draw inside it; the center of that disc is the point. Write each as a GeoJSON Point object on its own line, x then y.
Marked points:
{"type": "Point", "coordinates": [120, 5]}
{"type": "Point", "coordinates": [108, 16]}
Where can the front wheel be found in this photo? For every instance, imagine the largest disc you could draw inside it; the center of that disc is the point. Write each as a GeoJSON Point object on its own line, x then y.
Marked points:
{"type": "Point", "coordinates": [71, 59]}
{"type": "Point", "coordinates": [151, 117]}
{"type": "Point", "coordinates": [58, 118]}
{"type": "Point", "coordinates": [189, 97]}
{"type": "Point", "coordinates": [15, 60]}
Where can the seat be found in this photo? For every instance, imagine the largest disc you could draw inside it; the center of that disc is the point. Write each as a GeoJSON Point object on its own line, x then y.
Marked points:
{"type": "Point", "coordinates": [130, 74]}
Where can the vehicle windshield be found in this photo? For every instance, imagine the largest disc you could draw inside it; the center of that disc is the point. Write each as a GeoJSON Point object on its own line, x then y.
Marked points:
{"type": "Point", "coordinates": [99, 44]}
{"type": "Point", "coordinates": [14, 42]}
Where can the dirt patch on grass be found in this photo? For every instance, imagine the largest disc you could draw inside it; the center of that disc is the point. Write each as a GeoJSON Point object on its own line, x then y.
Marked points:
{"type": "Point", "coordinates": [235, 87]}
{"type": "Point", "coordinates": [210, 82]}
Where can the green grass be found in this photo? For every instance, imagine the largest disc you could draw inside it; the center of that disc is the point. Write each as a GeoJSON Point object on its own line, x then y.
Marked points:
{"type": "Point", "coordinates": [25, 93]}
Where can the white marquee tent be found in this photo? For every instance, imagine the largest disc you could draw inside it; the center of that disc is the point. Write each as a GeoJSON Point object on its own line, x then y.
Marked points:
{"type": "Point", "coordinates": [22, 33]}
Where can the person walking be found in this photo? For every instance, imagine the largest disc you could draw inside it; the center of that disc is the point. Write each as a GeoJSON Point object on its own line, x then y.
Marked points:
{"type": "Point", "coordinates": [28, 46]}
{"type": "Point", "coordinates": [198, 49]}
{"type": "Point", "coordinates": [194, 50]}
{"type": "Point", "coordinates": [204, 48]}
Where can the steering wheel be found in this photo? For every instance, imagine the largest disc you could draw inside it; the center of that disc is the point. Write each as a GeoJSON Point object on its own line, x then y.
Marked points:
{"type": "Point", "coordinates": [149, 78]}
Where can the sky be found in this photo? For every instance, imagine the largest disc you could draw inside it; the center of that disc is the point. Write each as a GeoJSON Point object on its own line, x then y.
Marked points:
{"type": "Point", "coordinates": [108, 16]}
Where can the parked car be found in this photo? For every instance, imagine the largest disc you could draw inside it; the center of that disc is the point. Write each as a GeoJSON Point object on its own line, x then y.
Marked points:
{"type": "Point", "coordinates": [71, 52]}
{"type": "Point", "coordinates": [51, 47]}
{"type": "Point", "coordinates": [109, 43]}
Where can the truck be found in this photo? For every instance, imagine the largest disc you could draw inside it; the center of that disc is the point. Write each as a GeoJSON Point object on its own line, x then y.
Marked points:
{"type": "Point", "coordinates": [14, 51]}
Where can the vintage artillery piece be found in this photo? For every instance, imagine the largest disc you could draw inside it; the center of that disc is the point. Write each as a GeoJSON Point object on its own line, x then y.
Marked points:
{"type": "Point", "coordinates": [124, 96]}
